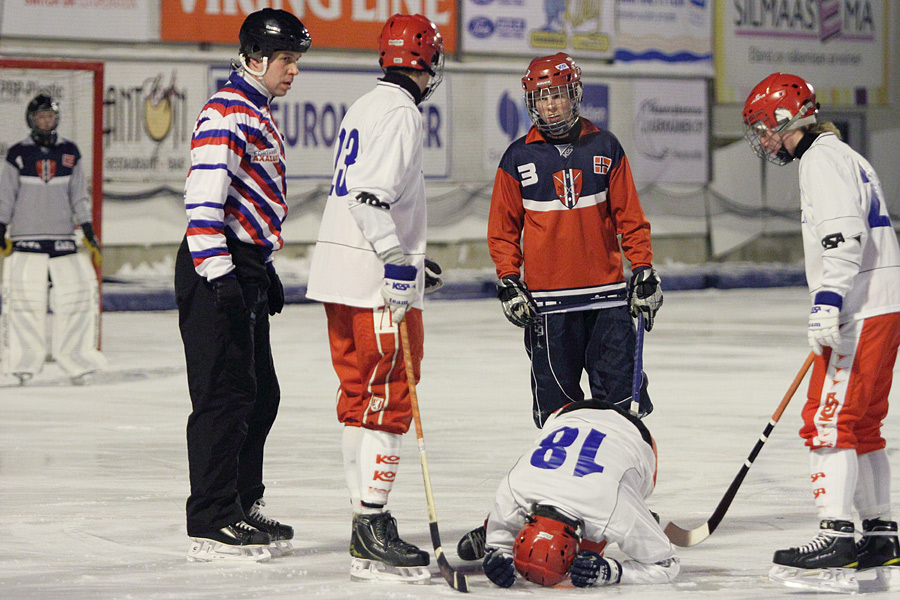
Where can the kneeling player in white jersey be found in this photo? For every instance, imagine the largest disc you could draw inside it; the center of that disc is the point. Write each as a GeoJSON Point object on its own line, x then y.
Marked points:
{"type": "Point", "coordinates": [43, 197]}
{"type": "Point", "coordinates": [853, 270]}
{"type": "Point", "coordinates": [581, 485]}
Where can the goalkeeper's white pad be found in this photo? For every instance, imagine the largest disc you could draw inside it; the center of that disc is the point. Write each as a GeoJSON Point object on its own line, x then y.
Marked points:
{"type": "Point", "coordinates": [23, 324]}
{"type": "Point", "coordinates": [74, 300]}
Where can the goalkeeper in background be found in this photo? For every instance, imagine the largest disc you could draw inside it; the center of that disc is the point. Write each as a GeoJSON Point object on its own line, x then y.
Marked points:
{"type": "Point", "coordinates": [43, 197]}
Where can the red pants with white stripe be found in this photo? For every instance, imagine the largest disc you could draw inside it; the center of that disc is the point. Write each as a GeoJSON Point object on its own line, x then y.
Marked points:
{"type": "Point", "coordinates": [368, 359]}
{"type": "Point", "coordinates": [848, 391]}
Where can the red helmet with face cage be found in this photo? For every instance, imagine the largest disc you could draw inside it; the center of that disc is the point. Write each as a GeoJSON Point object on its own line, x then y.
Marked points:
{"type": "Point", "coordinates": [779, 103]}
{"type": "Point", "coordinates": [546, 546]}
{"type": "Point", "coordinates": [413, 42]}
{"type": "Point", "coordinates": [555, 77]}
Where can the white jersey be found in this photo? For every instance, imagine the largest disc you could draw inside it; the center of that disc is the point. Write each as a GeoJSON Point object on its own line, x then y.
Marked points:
{"type": "Point", "coordinates": [595, 465]}
{"type": "Point", "coordinates": [841, 199]}
{"type": "Point", "coordinates": [379, 156]}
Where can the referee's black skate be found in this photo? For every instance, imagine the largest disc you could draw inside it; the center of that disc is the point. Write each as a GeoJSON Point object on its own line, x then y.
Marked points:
{"type": "Point", "coordinates": [279, 533]}
{"type": "Point", "coordinates": [379, 553]}
{"type": "Point", "coordinates": [826, 563]}
{"type": "Point", "coordinates": [238, 541]}
{"type": "Point", "coordinates": [471, 546]}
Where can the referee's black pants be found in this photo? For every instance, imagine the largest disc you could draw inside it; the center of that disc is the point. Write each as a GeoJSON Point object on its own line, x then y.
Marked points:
{"type": "Point", "coordinates": [233, 387]}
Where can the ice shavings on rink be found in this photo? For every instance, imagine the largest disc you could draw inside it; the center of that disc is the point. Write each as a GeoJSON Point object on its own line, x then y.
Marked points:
{"type": "Point", "coordinates": [93, 479]}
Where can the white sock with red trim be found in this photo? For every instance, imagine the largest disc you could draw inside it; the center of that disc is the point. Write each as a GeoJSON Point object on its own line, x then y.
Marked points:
{"type": "Point", "coordinates": [833, 472]}
{"type": "Point", "coordinates": [379, 458]}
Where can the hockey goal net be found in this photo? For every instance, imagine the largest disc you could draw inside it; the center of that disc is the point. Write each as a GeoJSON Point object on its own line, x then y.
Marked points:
{"type": "Point", "coordinates": [77, 87]}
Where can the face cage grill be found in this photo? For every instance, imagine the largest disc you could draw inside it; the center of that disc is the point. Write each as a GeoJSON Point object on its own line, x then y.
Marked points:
{"type": "Point", "coordinates": [438, 67]}
{"type": "Point", "coordinates": [572, 90]}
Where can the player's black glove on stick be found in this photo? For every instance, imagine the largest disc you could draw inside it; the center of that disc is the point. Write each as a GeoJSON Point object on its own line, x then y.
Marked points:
{"type": "Point", "coordinates": [589, 569]}
{"type": "Point", "coordinates": [275, 291]}
{"type": "Point", "coordinates": [498, 567]}
{"type": "Point", "coordinates": [645, 294]}
{"type": "Point", "coordinates": [518, 305]}
{"type": "Point", "coordinates": [432, 281]}
{"type": "Point", "coordinates": [229, 297]}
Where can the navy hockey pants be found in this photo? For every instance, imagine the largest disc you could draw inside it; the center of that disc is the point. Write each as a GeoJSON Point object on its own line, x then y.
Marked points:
{"type": "Point", "coordinates": [233, 387]}
{"type": "Point", "coordinates": [562, 346]}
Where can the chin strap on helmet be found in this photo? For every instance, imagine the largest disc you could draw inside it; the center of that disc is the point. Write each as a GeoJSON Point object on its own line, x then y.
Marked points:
{"type": "Point", "coordinates": [246, 66]}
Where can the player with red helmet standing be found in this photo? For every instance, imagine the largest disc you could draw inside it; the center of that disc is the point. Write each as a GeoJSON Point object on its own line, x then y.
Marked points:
{"type": "Point", "coordinates": [853, 270]}
{"type": "Point", "coordinates": [368, 267]}
{"type": "Point", "coordinates": [582, 484]}
{"type": "Point", "coordinates": [562, 195]}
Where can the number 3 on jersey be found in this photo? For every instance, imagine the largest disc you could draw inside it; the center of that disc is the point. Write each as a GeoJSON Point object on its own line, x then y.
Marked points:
{"type": "Point", "coordinates": [553, 451]}
{"type": "Point", "coordinates": [348, 148]}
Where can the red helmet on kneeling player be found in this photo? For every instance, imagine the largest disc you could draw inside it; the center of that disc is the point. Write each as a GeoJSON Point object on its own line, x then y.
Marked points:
{"type": "Point", "coordinates": [546, 546]}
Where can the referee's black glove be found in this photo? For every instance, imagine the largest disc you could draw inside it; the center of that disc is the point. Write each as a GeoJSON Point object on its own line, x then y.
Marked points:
{"type": "Point", "coordinates": [229, 297]}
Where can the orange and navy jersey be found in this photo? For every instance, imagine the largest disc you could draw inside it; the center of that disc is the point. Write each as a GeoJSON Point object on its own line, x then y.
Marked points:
{"type": "Point", "coordinates": [557, 210]}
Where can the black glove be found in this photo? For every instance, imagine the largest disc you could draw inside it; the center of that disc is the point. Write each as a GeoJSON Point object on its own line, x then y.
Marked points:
{"type": "Point", "coordinates": [518, 305]}
{"type": "Point", "coordinates": [5, 245]}
{"type": "Point", "coordinates": [91, 242]}
{"type": "Point", "coordinates": [589, 569]}
{"type": "Point", "coordinates": [229, 297]}
{"type": "Point", "coordinates": [432, 281]}
{"type": "Point", "coordinates": [498, 567]}
{"type": "Point", "coordinates": [276, 290]}
{"type": "Point", "coordinates": [645, 294]}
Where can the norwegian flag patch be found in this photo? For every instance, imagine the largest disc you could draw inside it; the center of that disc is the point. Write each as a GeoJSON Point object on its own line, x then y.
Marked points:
{"type": "Point", "coordinates": [602, 165]}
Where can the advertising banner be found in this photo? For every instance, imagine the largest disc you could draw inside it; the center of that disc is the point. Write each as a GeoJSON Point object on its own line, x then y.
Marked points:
{"type": "Point", "coordinates": [840, 46]}
{"type": "Point", "coordinates": [670, 132]}
{"type": "Point", "coordinates": [631, 32]}
{"type": "Point", "coordinates": [148, 120]}
{"type": "Point", "coordinates": [350, 24]}
{"type": "Point", "coordinates": [106, 20]}
{"type": "Point", "coordinates": [309, 118]}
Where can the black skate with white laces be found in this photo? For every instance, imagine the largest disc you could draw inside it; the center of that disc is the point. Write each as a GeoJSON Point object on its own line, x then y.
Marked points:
{"type": "Point", "coordinates": [379, 553]}
{"type": "Point", "coordinates": [279, 533]}
{"type": "Point", "coordinates": [238, 541]}
{"type": "Point", "coordinates": [827, 563]}
{"type": "Point", "coordinates": [472, 545]}
{"type": "Point", "coordinates": [879, 556]}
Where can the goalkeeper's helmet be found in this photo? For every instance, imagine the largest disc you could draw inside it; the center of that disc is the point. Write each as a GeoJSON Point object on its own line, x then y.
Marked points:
{"type": "Point", "coordinates": [269, 30]}
{"type": "Point", "coordinates": [413, 42]}
{"type": "Point", "coordinates": [546, 546]}
{"type": "Point", "coordinates": [42, 103]}
{"type": "Point", "coordinates": [553, 93]}
{"type": "Point", "coordinates": [777, 104]}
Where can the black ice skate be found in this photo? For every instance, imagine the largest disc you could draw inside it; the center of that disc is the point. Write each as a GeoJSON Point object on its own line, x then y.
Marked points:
{"type": "Point", "coordinates": [379, 553]}
{"type": "Point", "coordinates": [238, 541]}
{"type": "Point", "coordinates": [471, 545]}
{"type": "Point", "coordinates": [879, 556]}
{"type": "Point", "coordinates": [827, 563]}
{"type": "Point", "coordinates": [279, 533]}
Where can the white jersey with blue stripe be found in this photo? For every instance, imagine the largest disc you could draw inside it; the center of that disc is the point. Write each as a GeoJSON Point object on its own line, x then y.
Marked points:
{"type": "Point", "coordinates": [236, 186]}
{"type": "Point", "coordinates": [849, 243]}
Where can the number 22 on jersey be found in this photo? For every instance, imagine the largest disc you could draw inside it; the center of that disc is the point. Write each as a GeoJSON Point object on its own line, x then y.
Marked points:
{"type": "Point", "coordinates": [344, 156]}
{"type": "Point", "coordinates": [555, 448]}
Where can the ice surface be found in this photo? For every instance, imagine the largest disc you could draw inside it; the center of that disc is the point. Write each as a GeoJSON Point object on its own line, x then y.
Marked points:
{"type": "Point", "coordinates": [93, 479]}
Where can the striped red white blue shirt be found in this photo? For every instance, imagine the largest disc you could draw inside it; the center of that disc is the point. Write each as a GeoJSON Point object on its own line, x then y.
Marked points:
{"type": "Point", "coordinates": [236, 186]}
